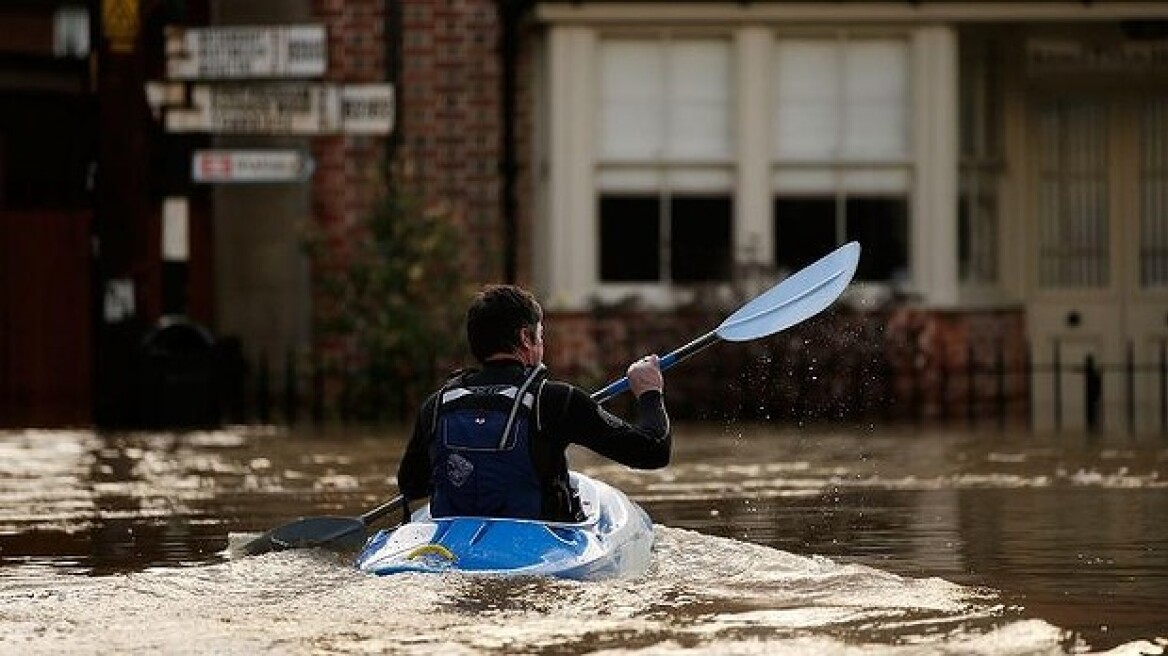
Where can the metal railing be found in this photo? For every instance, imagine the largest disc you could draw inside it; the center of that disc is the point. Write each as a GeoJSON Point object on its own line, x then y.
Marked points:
{"type": "Point", "coordinates": [990, 387]}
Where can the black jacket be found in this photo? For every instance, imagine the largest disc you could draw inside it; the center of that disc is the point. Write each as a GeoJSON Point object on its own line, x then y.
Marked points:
{"type": "Point", "coordinates": [567, 415]}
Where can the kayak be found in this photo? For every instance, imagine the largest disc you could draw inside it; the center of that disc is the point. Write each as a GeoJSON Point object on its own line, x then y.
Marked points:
{"type": "Point", "coordinates": [613, 541]}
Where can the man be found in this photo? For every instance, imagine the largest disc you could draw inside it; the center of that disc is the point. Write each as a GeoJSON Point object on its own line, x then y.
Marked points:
{"type": "Point", "coordinates": [492, 441]}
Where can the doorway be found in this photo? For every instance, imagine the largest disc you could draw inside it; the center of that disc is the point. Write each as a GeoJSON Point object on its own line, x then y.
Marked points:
{"type": "Point", "coordinates": [1098, 259]}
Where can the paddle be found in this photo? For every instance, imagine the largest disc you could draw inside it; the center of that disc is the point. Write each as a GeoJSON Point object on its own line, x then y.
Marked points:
{"type": "Point", "coordinates": [797, 298]}
{"type": "Point", "coordinates": [338, 532]}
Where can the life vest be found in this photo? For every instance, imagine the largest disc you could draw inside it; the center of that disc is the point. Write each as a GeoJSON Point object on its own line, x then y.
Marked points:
{"type": "Point", "coordinates": [480, 451]}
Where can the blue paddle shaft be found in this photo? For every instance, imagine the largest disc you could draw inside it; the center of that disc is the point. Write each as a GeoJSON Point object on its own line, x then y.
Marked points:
{"type": "Point", "coordinates": [667, 361]}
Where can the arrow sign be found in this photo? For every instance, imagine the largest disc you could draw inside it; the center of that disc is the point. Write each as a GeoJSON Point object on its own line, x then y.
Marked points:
{"type": "Point", "coordinates": [250, 166]}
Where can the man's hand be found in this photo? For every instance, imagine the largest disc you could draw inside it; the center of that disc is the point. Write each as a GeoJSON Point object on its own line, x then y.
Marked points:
{"type": "Point", "coordinates": [645, 375]}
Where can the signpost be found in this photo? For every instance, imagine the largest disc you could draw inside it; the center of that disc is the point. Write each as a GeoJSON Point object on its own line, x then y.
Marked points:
{"type": "Point", "coordinates": [255, 80]}
{"type": "Point", "coordinates": [255, 166]}
{"type": "Point", "coordinates": [222, 53]}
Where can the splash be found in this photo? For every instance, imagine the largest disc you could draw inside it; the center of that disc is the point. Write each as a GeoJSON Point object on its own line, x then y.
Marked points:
{"type": "Point", "coordinates": [703, 595]}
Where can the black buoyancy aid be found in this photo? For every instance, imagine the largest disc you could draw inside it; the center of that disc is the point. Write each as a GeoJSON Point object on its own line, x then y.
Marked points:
{"type": "Point", "coordinates": [480, 451]}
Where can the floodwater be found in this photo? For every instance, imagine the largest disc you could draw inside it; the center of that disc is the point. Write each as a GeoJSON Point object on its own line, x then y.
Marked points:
{"type": "Point", "coordinates": [769, 541]}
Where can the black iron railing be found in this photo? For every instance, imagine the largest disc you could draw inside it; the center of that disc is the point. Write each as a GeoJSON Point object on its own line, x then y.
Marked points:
{"type": "Point", "coordinates": [990, 385]}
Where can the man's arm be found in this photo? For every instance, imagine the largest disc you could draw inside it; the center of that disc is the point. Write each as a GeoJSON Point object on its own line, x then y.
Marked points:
{"type": "Point", "coordinates": [644, 445]}
{"type": "Point", "coordinates": [413, 474]}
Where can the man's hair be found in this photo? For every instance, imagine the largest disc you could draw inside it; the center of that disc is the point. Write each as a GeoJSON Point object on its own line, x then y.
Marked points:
{"type": "Point", "coordinates": [495, 317]}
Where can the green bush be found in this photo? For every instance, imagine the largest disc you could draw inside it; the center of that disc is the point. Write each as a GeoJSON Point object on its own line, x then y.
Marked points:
{"type": "Point", "coordinates": [390, 304]}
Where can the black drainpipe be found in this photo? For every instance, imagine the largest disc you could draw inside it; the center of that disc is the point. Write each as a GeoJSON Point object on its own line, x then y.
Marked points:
{"type": "Point", "coordinates": [510, 14]}
{"type": "Point", "coordinates": [393, 73]}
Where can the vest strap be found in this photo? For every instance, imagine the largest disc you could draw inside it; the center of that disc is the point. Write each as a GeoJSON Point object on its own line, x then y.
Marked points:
{"type": "Point", "coordinates": [520, 397]}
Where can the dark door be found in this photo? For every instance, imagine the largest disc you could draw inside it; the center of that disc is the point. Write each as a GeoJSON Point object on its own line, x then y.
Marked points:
{"type": "Point", "coordinates": [45, 310]}
{"type": "Point", "coordinates": [46, 259]}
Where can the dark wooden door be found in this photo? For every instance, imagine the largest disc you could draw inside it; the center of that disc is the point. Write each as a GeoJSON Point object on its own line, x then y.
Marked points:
{"type": "Point", "coordinates": [45, 318]}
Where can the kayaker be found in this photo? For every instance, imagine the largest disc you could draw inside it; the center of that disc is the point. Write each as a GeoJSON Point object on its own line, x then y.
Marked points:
{"type": "Point", "coordinates": [491, 442]}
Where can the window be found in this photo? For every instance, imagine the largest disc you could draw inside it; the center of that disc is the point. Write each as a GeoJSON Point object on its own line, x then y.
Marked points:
{"type": "Point", "coordinates": [840, 151]}
{"type": "Point", "coordinates": [71, 32]}
{"type": "Point", "coordinates": [664, 171]}
{"type": "Point", "coordinates": [699, 240]}
{"type": "Point", "coordinates": [814, 224]}
{"type": "Point", "coordinates": [627, 224]}
{"type": "Point", "coordinates": [1073, 219]}
{"type": "Point", "coordinates": [1154, 196]}
{"type": "Point", "coordinates": [981, 162]}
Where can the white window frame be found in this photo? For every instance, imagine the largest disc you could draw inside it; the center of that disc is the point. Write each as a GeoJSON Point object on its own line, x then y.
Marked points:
{"type": "Point", "coordinates": [844, 170]}
{"type": "Point", "coordinates": [665, 171]}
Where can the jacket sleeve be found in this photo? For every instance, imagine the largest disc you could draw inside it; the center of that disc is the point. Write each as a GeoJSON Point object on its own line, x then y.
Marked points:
{"type": "Point", "coordinates": [413, 473]}
{"type": "Point", "coordinates": [644, 445]}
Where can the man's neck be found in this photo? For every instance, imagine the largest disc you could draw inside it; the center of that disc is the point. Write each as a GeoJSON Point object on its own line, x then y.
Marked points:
{"type": "Point", "coordinates": [504, 359]}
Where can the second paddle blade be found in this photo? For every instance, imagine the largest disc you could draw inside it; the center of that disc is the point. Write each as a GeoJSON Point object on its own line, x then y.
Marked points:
{"type": "Point", "coordinates": [332, 532]}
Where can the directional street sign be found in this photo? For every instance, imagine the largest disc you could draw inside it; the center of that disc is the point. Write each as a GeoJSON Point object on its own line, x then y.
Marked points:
{"type": "Point", "coordinates": [220, 53]}
{"type": "Point", "coordinates": [244, 166]}
{"type": "Point", "coordinates": [303, 108]}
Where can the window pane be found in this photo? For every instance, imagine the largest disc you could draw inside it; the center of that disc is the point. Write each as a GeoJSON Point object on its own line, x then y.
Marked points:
{"type": "Point", "coordinates": [875, 103]}
{"type": "Point", "coordinates": [804, 230]}
{"type": "Point", "coordinates": [630, 238]}
{"type": "Point", "coordinates": [881, 227]}
{"type": "Point", "coordinates": [841, 99]}
{"type": "Point", "coordinates": [665, 99]}
{"type": "Point", "coordinates": [700, 239]}
{"type": "Point", "coordinates": [981, 96]}
{"type": "Point", "coordinates": [977, 234]}
{"type": "Point", "coordinates": [806, 99]}
{"type": "Point", "coordinates": [632, 95]}
{"type": "Point", "coordinates": [980, 116]}
{"type": "Point", "coordinates": [1154, 193]}
{"type": "Point", "coordinates": [1073, 194]}
{"type": "Point", "coordinates": [698, 79]}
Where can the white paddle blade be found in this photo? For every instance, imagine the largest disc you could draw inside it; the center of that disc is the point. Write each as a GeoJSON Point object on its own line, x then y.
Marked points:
{"type": "Point", "coordinates": [801, 296]}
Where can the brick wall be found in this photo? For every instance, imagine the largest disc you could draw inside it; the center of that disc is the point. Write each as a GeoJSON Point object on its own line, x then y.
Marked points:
{"type": "Point", "coordinates": [449, 120]}
{"type": "Point", "coordinates": [348, 176]}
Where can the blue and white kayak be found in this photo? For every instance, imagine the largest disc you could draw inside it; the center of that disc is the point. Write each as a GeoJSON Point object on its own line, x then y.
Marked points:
{"type": "Point", "coordinates": [614, 541]}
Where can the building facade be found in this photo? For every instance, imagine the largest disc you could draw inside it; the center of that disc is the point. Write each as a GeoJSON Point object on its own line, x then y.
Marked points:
{"type": "Point", "coordinates": [1002, 165]}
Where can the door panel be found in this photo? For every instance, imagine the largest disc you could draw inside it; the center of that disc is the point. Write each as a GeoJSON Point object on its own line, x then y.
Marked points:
{"type": "Point", "coordinates": [45, 318]}
{"type": "Point", "coordinates": [1060, 386]}
{"type": "Point", "coordinates": [1099, 275]}
{"type": "Point", "coordinates": [1148, 328]}
{"type": "Point", "coordinates": [1152, 193]}
{"type": "Point", "coordinates": [1074, 189]}
{"type": "Point", "coordinates": [1146, 304]}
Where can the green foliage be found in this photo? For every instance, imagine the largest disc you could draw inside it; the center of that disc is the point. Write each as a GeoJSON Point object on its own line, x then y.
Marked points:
{"type": "Point", "coordinates": [390, 312]}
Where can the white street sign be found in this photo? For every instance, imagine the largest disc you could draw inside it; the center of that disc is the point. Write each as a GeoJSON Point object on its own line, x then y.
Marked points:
{"type": "Point", "coordinates": [367, 108]}
{"type": "Point", "coordinates": [236, 166]}
{"type": "Point", "coordinates": [286, 108]}
{"type": "Point", "coordinates": [220, 53]}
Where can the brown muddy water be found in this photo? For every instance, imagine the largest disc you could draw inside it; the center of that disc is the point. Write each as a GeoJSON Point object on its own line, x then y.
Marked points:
{"type": "Point", "coordinates": [769, 540]}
